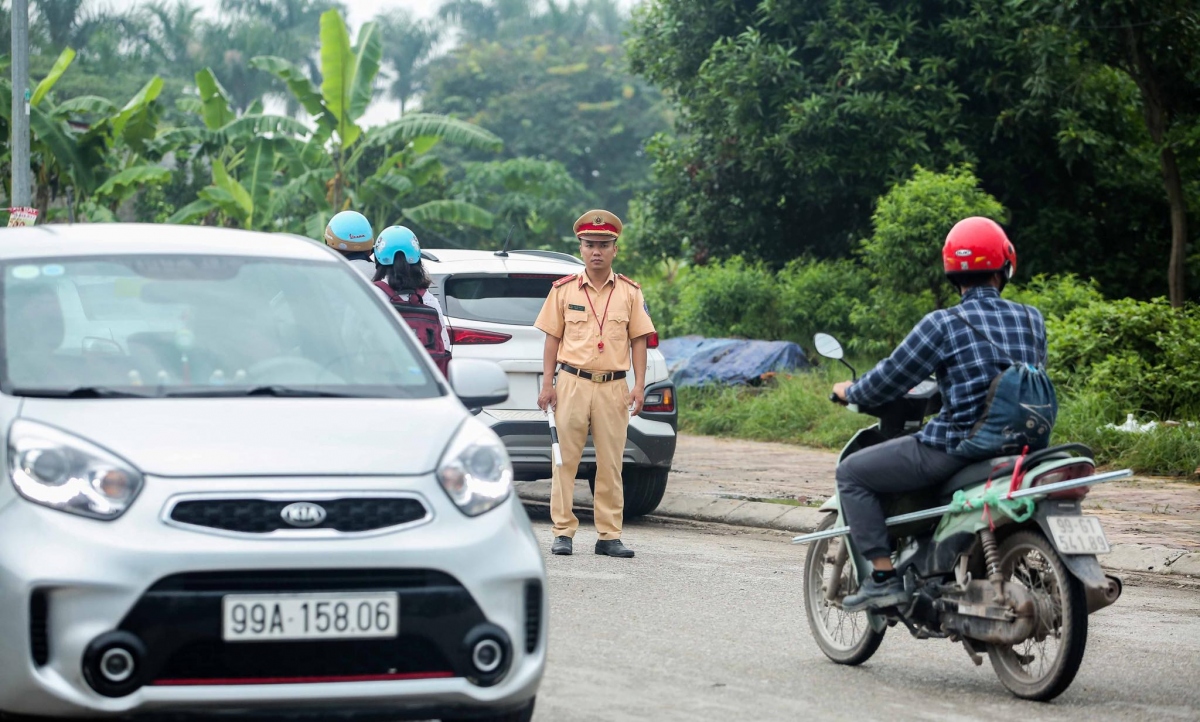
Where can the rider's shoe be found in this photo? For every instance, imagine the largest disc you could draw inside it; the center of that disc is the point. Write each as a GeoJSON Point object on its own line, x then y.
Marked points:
{"type": "Point", "coordinates": [876, 595]}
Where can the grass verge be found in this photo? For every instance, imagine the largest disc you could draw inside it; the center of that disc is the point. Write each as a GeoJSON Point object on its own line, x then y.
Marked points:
{"type": "Point", "coordinates": [797, 410]}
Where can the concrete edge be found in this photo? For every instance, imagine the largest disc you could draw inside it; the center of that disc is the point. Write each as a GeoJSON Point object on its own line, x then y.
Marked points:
{"type": "Point", "coordinates": [1142, 558]}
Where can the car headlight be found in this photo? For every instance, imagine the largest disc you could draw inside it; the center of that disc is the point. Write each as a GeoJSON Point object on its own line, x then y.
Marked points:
{"type": "Point", "coordinates": [64, 472]}
{"type": "Point", "coordinates": [475, 470]}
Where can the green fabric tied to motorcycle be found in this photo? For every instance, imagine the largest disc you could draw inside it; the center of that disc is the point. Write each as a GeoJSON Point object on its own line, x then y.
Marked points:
{"type": "Point", "coordinates": [1020, 410]}
{"type": "Point", "coordinates": [1019, 510]}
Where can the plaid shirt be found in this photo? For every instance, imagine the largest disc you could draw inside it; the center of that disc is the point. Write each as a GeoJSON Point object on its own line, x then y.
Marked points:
{"type": "Point", "coordinates": [965, 364]}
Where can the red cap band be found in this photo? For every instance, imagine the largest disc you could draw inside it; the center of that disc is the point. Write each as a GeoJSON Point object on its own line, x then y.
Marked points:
{"type": "Point", "coordinates": [596, 228]}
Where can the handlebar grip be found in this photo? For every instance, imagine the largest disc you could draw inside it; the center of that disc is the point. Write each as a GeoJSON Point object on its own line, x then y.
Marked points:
{"type": "Point", "coordinates": [835, 399]}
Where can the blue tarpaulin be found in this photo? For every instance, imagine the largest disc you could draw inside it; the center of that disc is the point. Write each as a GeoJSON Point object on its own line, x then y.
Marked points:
{"type": "Point", "coordinates": [695, 360]}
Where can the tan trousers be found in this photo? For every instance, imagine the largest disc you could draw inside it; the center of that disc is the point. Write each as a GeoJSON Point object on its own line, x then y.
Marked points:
{"type": "Point", "coordinates": [603, 407]}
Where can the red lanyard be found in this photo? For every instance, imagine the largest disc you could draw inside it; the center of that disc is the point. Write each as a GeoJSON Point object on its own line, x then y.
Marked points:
{"type": "Point", "coordinates": [600, 320]}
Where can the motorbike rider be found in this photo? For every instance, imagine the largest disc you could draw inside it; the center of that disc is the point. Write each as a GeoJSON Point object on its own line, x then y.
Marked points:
{"type": "Point", "coordinates": [405, 274]}
{"type": "Point", "coordinates": [978, 260]}
{"type": "Point", "coordinates": [350, 234]}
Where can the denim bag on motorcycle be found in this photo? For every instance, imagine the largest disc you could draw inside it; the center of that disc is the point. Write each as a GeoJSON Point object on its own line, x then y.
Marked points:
{"type": "Point", "coordinates": [1019, 412]}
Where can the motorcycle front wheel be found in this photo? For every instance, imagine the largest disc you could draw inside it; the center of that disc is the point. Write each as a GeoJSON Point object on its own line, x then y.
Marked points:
{"type": "Point", "coordinates": [1043, 666]}
{"type": "Point", "coordinates": [844, 637]}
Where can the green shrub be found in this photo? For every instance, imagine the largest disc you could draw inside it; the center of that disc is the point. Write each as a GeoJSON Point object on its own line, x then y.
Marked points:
{"type": "Point", "coordinates": [821, 296]}
{"type": "Point", "coordinates": [730, 298]}
{"type": "Point", "coordinates": [1143, 356]}
{"type": "Point", "coordinates": [1055, 296]}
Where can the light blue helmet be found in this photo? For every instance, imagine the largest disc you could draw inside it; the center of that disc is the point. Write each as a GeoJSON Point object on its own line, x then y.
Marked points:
{"type": "Point", "coordinates": [349, 231]}
{"type": "Point", "coordinates": [397, 239]}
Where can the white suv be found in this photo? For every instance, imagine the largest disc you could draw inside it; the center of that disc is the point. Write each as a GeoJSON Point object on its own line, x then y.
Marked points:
{"type": "Point", "coordinates": [491, 301]}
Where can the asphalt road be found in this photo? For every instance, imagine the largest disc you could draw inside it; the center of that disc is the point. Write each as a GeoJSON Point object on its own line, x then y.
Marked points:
{"type": "Point", "coordinates": [707, 623]}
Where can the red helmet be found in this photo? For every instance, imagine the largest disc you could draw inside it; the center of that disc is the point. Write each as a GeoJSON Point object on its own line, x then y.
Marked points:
{"type": "Point", "coordinates": [978, 245]}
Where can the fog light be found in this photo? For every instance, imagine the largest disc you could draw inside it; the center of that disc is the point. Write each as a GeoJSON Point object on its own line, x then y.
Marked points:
{"type": "Point", "coordinates": [117, 665]}
{"type": "Point", "coordinates": [487, 656]}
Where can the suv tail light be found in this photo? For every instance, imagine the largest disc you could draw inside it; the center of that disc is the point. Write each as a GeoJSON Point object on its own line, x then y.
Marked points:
{"type": "Point", "coordinates": [652, 341]}
{"type": "Point", "coordinates": [660, 401]}
{"type": "Point", "coordinates": [471, 336]}
{"type": "Point", "coordinates": [1066, 473]}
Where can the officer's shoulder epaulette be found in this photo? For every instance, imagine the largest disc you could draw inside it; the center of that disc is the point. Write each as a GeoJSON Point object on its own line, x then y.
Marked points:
{"type": "Point", "coordinates": [629, 280]}
{"type": "Point", "coordinates": [565, 279]}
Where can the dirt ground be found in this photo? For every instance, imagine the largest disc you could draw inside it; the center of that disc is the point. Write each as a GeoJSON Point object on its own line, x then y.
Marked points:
{"type": "Point", "coordinates": [1143, 510]}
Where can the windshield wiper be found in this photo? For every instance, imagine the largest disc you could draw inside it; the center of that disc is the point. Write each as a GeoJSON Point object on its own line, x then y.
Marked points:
{"type": "Point", "coordinates": [271, 390]}
{"type": "Point", "coordinates": [81, 392]}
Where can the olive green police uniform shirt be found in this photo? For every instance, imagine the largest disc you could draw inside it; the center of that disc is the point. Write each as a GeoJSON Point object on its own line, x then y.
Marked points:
{"type": "Point", "coordinates": [572, 312]}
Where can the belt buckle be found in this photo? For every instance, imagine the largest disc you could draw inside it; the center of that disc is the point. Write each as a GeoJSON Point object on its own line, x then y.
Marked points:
{"type": "Point", "coordinates": [601, 378]}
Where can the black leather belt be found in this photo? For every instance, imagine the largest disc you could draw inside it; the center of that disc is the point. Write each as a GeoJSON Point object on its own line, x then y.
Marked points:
{"type": "Point", "coordinates": [598, 378]}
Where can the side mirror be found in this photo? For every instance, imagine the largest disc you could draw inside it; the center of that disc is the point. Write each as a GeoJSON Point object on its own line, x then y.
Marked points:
{"type": "Point", "coordinates": [828, 346]}
{"type": "Point", "coordinates": [478, 383]}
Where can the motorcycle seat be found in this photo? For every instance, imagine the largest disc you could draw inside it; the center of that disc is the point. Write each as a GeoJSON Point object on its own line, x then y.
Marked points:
{"type": "Point", "coordinates": [977, 473]}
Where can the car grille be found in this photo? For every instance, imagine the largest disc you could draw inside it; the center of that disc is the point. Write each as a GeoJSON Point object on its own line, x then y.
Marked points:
{"type": "Point", "coordinates": [263, 516]}
{"type": "Point", "coordinates": [533, 615]}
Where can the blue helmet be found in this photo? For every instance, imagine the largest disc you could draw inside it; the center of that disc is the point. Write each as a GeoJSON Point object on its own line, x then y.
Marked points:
{"type": "Point", "coordinates": [349, 231]}
{"type": "Point", "coordinates": [397, 239]}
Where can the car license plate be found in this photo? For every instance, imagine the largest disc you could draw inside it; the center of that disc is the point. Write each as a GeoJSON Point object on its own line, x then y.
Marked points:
{"type": "Point", "coordinates": [1078, 535]}
{"type": "Point", "coordinates": [280, 617]}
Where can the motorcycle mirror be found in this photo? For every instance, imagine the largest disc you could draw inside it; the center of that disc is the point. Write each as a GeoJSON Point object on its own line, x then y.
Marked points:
{"type": "Point", "coordinates": [828, 346]}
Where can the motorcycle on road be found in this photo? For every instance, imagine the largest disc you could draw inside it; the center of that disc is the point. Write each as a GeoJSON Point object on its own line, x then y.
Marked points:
{"type": "Point", "coordinates": [998, 558]}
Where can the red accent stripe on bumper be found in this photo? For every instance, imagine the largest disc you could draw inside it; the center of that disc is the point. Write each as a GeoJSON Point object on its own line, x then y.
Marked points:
{"type": "Point", "coordinates": [301, 680]}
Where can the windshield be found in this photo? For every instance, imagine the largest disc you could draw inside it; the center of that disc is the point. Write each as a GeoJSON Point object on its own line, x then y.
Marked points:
{"type": "Point", "coordinates": [201, 325]}
{"type": "Point", "coordinates": [514, 299]}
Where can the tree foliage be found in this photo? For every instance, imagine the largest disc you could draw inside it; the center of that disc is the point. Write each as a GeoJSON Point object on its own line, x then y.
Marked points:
{"type": "Point", "coordinates": [553, 98]}
{"type": "Point", "coordinates": [794, 116]}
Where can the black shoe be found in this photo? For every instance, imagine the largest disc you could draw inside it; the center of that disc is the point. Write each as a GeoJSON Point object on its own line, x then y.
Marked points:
{"type": "Point", "coordinates": [561, 545]}
{"type": "Point", "coordinates": [613, 548]}
{"type": "Point", "coordinates": [876, 595]}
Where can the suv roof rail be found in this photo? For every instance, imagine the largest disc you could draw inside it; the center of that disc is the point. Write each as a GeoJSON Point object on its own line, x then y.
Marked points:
{"type": "Point", "coordinates": [430, 257]}
{"type": "Point", "coordinates": [556, 255]}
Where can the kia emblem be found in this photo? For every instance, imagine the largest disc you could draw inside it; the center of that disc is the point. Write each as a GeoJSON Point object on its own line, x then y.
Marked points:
{"type": "Point", "coordinates": [303, 514]}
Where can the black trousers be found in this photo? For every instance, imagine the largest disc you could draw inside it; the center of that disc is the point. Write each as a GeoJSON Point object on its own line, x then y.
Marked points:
{"type": "Point", "coordinates": [893, 467]}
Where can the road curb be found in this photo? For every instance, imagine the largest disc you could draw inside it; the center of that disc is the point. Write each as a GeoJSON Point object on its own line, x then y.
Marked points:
{"type": "Point", "coordinates": [1143, 558]}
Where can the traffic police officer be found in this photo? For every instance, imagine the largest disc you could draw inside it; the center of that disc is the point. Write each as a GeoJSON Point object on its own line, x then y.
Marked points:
{"type": "Point", "coordinates": [595, 324]}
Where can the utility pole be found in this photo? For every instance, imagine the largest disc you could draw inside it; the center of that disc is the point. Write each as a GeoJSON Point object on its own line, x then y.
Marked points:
{"type": "Point", "coordinates": [22, 185]}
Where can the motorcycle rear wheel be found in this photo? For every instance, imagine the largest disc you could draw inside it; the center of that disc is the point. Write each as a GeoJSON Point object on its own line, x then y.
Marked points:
{"type": "Point", "coordinates": [844, 637]}
{"type": "Point", "coordinates": [1040, 670]}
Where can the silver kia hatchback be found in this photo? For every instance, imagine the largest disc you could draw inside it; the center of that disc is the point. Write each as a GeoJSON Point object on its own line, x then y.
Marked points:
{"type": "Point", "coordinates": [236, 484]}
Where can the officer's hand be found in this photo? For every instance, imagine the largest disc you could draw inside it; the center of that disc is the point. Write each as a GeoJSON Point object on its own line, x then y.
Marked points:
{"type": "Point", "coordinates": [839, 389]}
{"type": "Point", "coordinates": [637, 399]}
{"type": "Point", "coordinates": [548, 398]}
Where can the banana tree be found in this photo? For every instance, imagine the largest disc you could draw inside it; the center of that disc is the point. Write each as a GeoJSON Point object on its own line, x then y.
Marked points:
{"type": "Point", "coordinates": [106, 163]}
{"type": "Point", "coordinates": [374, 170]}
{"type": "Point", "coordinates": [246, 153]}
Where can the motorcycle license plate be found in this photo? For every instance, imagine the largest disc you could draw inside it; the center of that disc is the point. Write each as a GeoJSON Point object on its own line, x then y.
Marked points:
{"type": "Point", "coordinates": [1078, 535]}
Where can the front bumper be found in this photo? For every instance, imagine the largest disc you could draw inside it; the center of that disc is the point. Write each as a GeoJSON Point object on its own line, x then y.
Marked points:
{"type": "Point", "coordinates": [68, 583]}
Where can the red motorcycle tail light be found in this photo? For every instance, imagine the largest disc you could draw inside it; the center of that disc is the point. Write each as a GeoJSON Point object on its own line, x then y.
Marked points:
{"type": "Point", "coordinates": [1066, 473]}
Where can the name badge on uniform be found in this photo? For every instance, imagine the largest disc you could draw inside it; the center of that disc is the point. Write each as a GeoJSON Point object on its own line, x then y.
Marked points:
{"type": "Point", "coordinates": [575, 307]}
